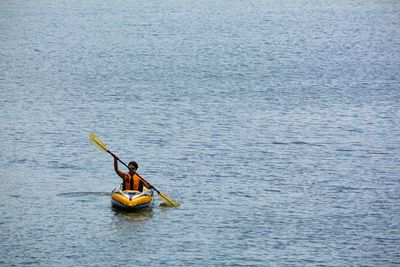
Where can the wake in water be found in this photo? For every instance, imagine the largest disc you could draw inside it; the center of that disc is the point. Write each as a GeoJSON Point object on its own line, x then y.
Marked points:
{"type": "Point", "coordinates": [83, 194]}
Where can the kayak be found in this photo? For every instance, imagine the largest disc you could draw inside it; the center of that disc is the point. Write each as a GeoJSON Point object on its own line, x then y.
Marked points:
{"type": "Point", "coordinates": [131, 200]}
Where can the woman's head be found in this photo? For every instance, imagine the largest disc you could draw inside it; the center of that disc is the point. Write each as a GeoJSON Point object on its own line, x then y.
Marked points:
{"type": "Point", "coordinates": [133, 165]}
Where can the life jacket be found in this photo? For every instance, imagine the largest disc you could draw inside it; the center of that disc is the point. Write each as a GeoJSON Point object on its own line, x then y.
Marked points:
{"type": "Point", "coordinates": [132, 182]}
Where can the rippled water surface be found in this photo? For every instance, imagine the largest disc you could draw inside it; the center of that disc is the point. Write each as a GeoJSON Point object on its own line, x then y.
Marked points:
{"type": "Point", "coordinates": [274, 123]}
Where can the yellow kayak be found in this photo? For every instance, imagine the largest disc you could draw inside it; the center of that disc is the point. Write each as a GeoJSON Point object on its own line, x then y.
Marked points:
{"type": "Point", "coordinates": [131, 199]}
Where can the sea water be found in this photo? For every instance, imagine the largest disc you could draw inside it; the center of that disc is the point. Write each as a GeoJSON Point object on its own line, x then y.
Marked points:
{"type": "Point", "coordinates": [275, 124]}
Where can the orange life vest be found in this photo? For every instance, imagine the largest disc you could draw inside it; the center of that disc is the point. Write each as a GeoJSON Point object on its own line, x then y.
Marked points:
{"type": "Point", "coordinates": [132, 182]}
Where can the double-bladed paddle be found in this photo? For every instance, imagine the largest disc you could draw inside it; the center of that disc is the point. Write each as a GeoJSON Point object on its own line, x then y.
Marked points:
{"type": "Point", "coordinates": [103, 147]}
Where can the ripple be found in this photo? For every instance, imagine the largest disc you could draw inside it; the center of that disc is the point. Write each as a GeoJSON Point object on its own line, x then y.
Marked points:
{"type": "Point", "coordinates": [275, 123]}
{"type": "Point", "coordinates": [83, 194]}
{"type": "Point", "coordinates": [345, 150]}
{"type": "Point", "coordinates": [280, 143]}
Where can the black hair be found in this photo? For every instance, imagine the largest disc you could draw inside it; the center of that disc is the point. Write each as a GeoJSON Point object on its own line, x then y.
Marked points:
{"type": "Point", "coordinates": [134, 164]}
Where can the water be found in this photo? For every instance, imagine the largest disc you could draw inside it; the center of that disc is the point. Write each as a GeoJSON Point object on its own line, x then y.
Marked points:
{"type": "Point", "coordinates": [274, 123]}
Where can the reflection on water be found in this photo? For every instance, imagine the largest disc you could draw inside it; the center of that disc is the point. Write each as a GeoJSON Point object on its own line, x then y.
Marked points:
{"type": "Point", "coordinates": [142, 213]}
{"type": "Point", "coordinates": [133, 216]}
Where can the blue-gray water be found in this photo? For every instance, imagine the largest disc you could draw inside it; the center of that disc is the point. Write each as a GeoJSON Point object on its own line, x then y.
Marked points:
{"type": "Point", "coordinates": [274, 123]}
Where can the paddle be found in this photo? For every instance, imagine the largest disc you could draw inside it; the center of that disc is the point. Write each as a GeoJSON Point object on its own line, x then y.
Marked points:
{"type": "Point", "coordinates": [103, 147]}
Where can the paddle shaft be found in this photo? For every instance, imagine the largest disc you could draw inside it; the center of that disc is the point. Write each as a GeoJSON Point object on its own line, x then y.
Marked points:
{"type": "Point", "coordinates": [112, 154]}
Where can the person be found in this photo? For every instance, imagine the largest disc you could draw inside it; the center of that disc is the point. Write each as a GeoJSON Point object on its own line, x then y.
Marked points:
{"type": "Point", "coordinates": [131, 180]}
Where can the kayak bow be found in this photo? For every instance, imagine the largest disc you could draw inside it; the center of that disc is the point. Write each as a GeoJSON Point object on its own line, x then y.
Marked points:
{"type": "Point", "coordinates": [131, 199]}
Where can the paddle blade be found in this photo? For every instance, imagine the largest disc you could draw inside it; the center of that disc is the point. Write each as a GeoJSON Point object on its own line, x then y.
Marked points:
{"type": "Point", "coordinates": [170, 202]}
{"type": "Point", "coordinates": [97, 142]}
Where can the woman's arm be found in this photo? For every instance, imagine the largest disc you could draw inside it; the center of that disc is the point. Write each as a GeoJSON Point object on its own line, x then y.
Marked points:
{"type": "Point", "coordinates": [120, 173]}
{"type": "Point", "coordinates": [147, 185]}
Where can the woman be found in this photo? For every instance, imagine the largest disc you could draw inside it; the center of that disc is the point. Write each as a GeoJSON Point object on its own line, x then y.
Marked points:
{"type": "Point", "coordinates": [131, 180]}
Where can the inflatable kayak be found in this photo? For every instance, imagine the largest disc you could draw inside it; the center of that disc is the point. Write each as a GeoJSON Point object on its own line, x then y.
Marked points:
{"type": "Point", "coordinates": [131, 199]}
